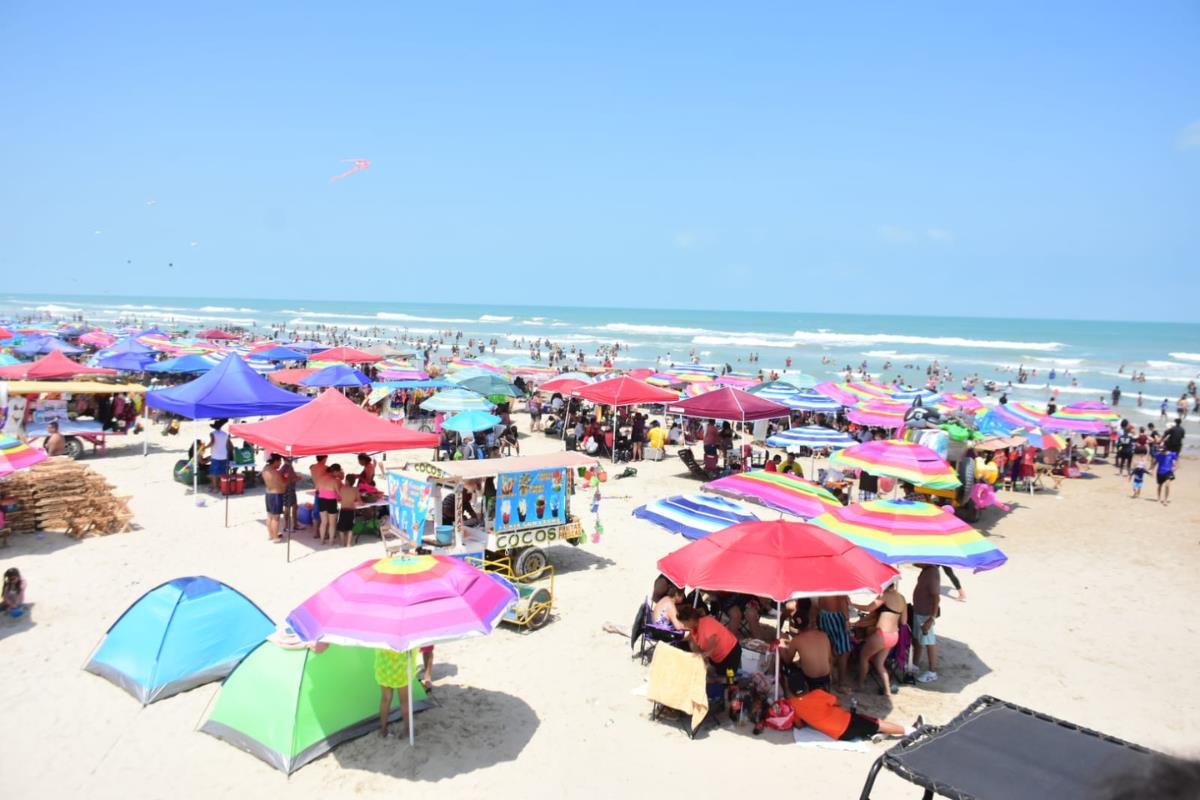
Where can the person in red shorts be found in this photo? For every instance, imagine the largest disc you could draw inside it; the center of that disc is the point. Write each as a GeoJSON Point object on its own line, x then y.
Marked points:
{"type": "Point", "coordinates": [819, 709]}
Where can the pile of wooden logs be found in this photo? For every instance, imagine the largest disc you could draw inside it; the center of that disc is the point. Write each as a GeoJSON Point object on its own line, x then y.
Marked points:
{"type": "Point", "coordinates": [61, 494]}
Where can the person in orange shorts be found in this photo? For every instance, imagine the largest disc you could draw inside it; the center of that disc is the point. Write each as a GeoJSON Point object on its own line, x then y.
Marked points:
{"type": "Point", "coordinates": [819, 709]}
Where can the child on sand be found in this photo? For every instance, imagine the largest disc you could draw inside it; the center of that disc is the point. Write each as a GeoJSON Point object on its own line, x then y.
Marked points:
{"type": "Point", "coordinates": [1138, 474]}
{"type": "Point", "coordinates": [13, 600]}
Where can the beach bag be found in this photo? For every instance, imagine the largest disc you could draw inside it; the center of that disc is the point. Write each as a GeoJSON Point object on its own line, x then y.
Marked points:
{"type": "Point", "coordinates": [780, 716]}
{"type": "Point", "coordinates": [304, 514]}
{"type": "Point", "coordinates": [243, 456]}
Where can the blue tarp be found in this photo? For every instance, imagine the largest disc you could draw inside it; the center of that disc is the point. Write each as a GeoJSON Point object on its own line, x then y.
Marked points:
{"type": "Point", "coordinates": [230, 390]}
{"type": "Point", "coordinates": [182, 634]}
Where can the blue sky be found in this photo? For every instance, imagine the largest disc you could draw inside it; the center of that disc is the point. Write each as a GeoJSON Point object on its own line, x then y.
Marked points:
{"type": "Point", "coordinates": [1039, 159]}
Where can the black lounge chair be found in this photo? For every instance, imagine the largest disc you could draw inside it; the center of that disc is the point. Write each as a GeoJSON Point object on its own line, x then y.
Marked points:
{"type": "Point", "coordinates": [689, 459]}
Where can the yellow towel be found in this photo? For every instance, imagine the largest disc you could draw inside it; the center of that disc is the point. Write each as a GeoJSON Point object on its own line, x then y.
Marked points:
{"type": "Point", "coordinates": [677, 680]}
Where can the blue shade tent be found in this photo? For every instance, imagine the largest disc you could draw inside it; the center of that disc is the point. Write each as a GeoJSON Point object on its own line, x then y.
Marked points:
{"type": "Point", "coordinates": [695, 515]}
{"type": "Point", "coordinates": [814, 436]}
{"type": "Point", "coordinates": [427, 383]}
{"type": "Point", "coordinates": [40, 345]}
{"type": "Point", "coordinates": [281, 353]}
{"type": "Point", "coordinates": [129, 344]}
{"type": "Point", "coordinates": [336, 375]}
{"type": "Point", "coordinates": [126, 362]}
{"type": "Point", "coordinates": [231, 389]}
{"type": "Point", "coordinates": [192, 362]}
{"type": "Point", "coordinates": [177, 636]}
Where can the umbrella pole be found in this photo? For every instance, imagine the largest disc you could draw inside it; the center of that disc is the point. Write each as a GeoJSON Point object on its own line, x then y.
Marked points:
{"type": "Point", "coordinates": [778, 633]}
{"type": "Point", "coordinates": [196, 471]}
{"type": "Point", "coordinates": [412, 739]}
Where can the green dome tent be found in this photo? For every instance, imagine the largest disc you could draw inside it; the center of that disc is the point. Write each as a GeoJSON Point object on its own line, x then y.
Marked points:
{"type": "Point", "coordinates": [290, 706]}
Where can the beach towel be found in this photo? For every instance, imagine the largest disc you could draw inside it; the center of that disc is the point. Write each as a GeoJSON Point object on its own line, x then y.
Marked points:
{"type": "Point", "coordinates": [811, 737]}
{"type": "Point", "coordinates": [677, 680]}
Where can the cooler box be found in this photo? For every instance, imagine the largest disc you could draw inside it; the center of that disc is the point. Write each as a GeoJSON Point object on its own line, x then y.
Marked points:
{"type": "Point", "coordinates": [653, 453]}
{"type": "Point", "coordinates": [232, 484]}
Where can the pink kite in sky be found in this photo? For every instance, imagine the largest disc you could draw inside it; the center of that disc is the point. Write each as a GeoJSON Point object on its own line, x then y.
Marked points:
{"type": "Point", "coordinates": [359, 165]}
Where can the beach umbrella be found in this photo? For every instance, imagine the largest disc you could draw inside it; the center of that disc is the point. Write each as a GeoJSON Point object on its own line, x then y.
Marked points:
{"type": "Point", "coordinates": [7, 360]}
{"type": "Point", "coordinates": [810, 401]}
{"type": "Point", "coordinates": [904, 461]}
{"type": "Point", "coordinates": [778, 490]}
{"type": "Point", "coordinates": [290, 705]}
{"type": "Point", "coordinates": [216, 334]}
{"type": "Point", "coordinates": [457, 400]}
{"type": "Point", "coordinates": [5, 334]}
{"type": "Point", "coordinates": [305, 346]}
{"type": "Point", "coordinates": [959, 401]}
{"type": "Point", "coordinates": [575, 376]}
{"type": "Point", "coordinates": [1076, 422]}
{"type": "Point", "coordinates": [97, 339]}
{"type": "Point", "coordinates": [15, 455]}
{"type": "Point", "coordinates": [562, 385]}
{"type": "Point", "coordinates": [490, 386]}
{"type": "Point", "coordinates": [1041, 440]}
{"type": "Point", "coordinates": [777, 559]}
{"type": "Point", "coordinates": [347, 355]}
{"type": "Point", "coordinates": [1089, 409]}
{"type": "Point", "coordinates": [694, 515]}
{"type": "Point", "coordinates": [879, 413]}
{"type": "Point", "coordinates": [848, 394]}
{"type": "Point", "coordinates": [471, 421]}
{"type": "Point", "coordinates": [907, 532]}
{"type": "Point", "coordinates": [404, 603]}
{"type": "Point", "coordinates": [902, 392]}
{"type": "Point", "coordinates": [816, 437]}
{"type": "Point", "coordinates": [336, 375]}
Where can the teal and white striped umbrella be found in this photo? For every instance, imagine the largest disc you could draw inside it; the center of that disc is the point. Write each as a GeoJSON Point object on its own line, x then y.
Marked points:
{"type": "Point", "coordinates": [814, 436]}
{"type": "Point", "coordinates": [457, 400]}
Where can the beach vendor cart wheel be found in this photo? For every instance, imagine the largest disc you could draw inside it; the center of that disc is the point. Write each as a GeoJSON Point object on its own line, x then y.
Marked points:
{"type": "Point", "coordinates": [529, 563]}
{"type": "Point", "coordinates": [73, 448]}
{"type": "Point", "coordinates": [539, 609]}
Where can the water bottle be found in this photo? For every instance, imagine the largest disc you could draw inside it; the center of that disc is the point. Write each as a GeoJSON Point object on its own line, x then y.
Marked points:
{"type": "Point", "coordinates": [854, 705]}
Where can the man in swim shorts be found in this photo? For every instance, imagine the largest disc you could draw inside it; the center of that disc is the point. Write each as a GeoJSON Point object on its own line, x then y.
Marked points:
{"type": "Point", "coordinates": [927, 596]}
{"type": "Point", "coordinates": [276, 484]}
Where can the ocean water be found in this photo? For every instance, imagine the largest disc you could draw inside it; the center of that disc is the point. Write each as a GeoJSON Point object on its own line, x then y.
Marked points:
{"type": "Point", "coordinates": [1089, 357]}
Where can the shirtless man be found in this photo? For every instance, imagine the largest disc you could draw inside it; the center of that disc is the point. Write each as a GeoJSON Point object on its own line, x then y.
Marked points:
{"type": "Point", "coordinates": [316, 473]}
{"type": "Point", "coordinates": [350, 498]}
{"type": "Point", "coordinates": [56, 443]}
{"type": "Point", "coordinates": [809, 649]}
{"type": "Point", "coordinates": [276, 485]}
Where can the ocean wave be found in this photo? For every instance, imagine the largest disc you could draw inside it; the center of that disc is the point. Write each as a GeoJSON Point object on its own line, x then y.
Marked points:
{"type": "Point", "coordinates": [861, 339]}
{"type": "Point", "coordinates": [53, 308]}
{"type": "Point", "coordinates": [668, 330]}
{"type": "Point", "coordinates": [494, 318]}
{"type": "Point", "coordinates": [388, 315]}
{"type": "Point", "coordinates": [895, 356]}
{"type": "Point", "coordinates": [229, 308]}
{"type": "Point", "coordinates": [1185, 356]}
{"type": "Point", "coordinates": [1053, 362]}
{"type": "Point", "coordinates": [1174, 366]}
{"type": "Point", "coordinates": [743, 341]}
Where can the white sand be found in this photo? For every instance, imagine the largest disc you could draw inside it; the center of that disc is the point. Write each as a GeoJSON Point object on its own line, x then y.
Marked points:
{"type": "Point", "coordinates": [1076, 625]}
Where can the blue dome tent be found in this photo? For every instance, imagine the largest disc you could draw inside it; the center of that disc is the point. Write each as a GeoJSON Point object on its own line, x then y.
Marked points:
{"type": "Point", "coordinates": [177, 636]}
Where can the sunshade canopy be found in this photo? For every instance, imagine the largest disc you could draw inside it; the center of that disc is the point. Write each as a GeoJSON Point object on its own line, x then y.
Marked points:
{"type": "Point", "coordinates": [231, 389]}
{"type": "Point", "coordinates": [15, 455]}
{"type": "Point", "coordinates": [52, 366]}
{"type": "Point", "coordinates": [729, 403]}
{"type": "Point", "coordinates": [778, 490]}
{"type": "Point", "coordinates": [331, 424]}
{"type": "Point", "coordinates": [624, 391]}
{"type": "Point", "coordinates": [336, 375]}
{"type": "Point", "coordinates": [902, 460]}
{"type": "Point", "coordinates": [694, 515]}
{"type": "Point", "coordinates": [216, 334]}
{"type": "Point", "coordinates": [347, 355]}
{"type": "Point", "coordinates": [780, 560]}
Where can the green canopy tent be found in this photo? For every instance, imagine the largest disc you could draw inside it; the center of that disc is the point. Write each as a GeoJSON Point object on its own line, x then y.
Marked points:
{"type": "Point", "coordinates": [289, 706]}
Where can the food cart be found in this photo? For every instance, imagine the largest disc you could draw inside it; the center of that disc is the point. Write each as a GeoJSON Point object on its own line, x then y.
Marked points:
{"type": "Point", "coordinates": [518, 507]}
{"type": "Point", "coordinates": [30, 406]}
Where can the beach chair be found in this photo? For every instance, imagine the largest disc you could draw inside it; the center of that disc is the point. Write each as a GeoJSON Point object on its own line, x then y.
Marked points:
{"type": "Point", "coordinates": [394, 542]}
{"type": "Point", "coordinates": [649, 633]}
{"type": "Point", "coordinates": [689, 460]}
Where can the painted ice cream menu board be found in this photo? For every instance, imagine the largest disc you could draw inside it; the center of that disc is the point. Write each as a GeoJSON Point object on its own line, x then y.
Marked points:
{"type": "Point", "coordinates": [531, 499]}
{"type": "Point", "coordinates": [408, 504]}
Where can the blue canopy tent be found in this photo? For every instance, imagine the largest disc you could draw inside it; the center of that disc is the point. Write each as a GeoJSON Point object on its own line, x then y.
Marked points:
{"type": "Point", "coordinates": [182, 634]}
{"type": "Point", "coordinates": [336, 375]}
{"type": "Point", "coordinates": [192, 362]}
{"type": "Point", "coordinates": [41, 345]}
{"type": "Point", "coordinates": [126, 362]}
{"type": "Point", "coordinates": [281, 353]}
{"type": "Point", "coordinates": [129, 344]}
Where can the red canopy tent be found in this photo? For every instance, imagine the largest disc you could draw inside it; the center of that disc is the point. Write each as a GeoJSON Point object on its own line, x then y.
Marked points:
{"type": "Point", "coordinates": [729, 403]}
{"type": "Point", "coordinates": [291, 376]}
{"type": "Point", "coordinates": [52, 366]}
{"type": "Point", "coordinates": [331, 424]}
{"type": "Point", "coordinates": [215, 334]}
{"type": "Point", "coordinates": [563, 385]}
{"type": "Point", "coordinates": [624, 391]}
{"type": "Point", "coordinates": [347, 355]}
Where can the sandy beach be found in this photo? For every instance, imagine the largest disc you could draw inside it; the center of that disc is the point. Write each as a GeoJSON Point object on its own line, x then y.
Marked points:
{"type": "Point", "coordinates": [1064, 627]}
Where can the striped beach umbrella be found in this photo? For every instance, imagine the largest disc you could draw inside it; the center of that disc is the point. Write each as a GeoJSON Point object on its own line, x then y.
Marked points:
{"type": "Point", "coordinates": [904, 461]}
{"type": "Point", "coordinates": [959, 401]}
{"type": "Point", "coordinates": [457, 400]}
{"type": "Point", "coordinates": [694, 516]}
{"type": "Point", "coordinates": [1035, 437]}
{"type": "Point", "coordinates": [907, 532]}
{"type": "Point", "coordinates": [778, 490]}
{"type": "Point", "coordinates": [848, 394]}
{"type": "Point", "coordinates": [1089, 409]}
{"type": "Point", "coordinates": [15, 455]}
{"type": "Point", "coordinates": [880, 413]}
{"type": "Point", "coordinates": [817, 437]}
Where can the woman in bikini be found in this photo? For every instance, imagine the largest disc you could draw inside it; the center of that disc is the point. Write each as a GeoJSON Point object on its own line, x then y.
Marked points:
{"type": "Point", "coordinates": [890, 609]}
{"type": "Point", "coordinates": [328, 487]}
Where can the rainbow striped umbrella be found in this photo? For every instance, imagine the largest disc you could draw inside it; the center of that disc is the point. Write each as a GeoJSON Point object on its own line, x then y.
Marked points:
{"type": "Point", "coordinates": [880, 413]}
{"type": "Point", "coordinates": [849, 394]}
{"type": "Point", "coordinates": [700, 387]}
{"type": "Point", "coordinates": [904, 461]}
{"type": "Point", "coordinates": [906, 532]}
{"type": "Point", "coordinates": [15, 455]}
{"type": "Point", "coordinates": [815, 436]}
{"type": "Point", "coordinates": [902, 392]}
{"type": "Point", "coordinates": [1009, 417]}
{"type": "Point", "coordinates": [1040, 439]}
{"type": "Point", "coordinates": [404, 602]}
{"type": "Point", "coordinates": [959, 401]}
{"type": "Point", "coordinates": [694, 515]}
{"type": "Point", "coordinates": [1089, 409]}
{"type": "Point", "coordinates": [1076, 422]}
{"type": "Point", "coordinates": [777, 490]}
